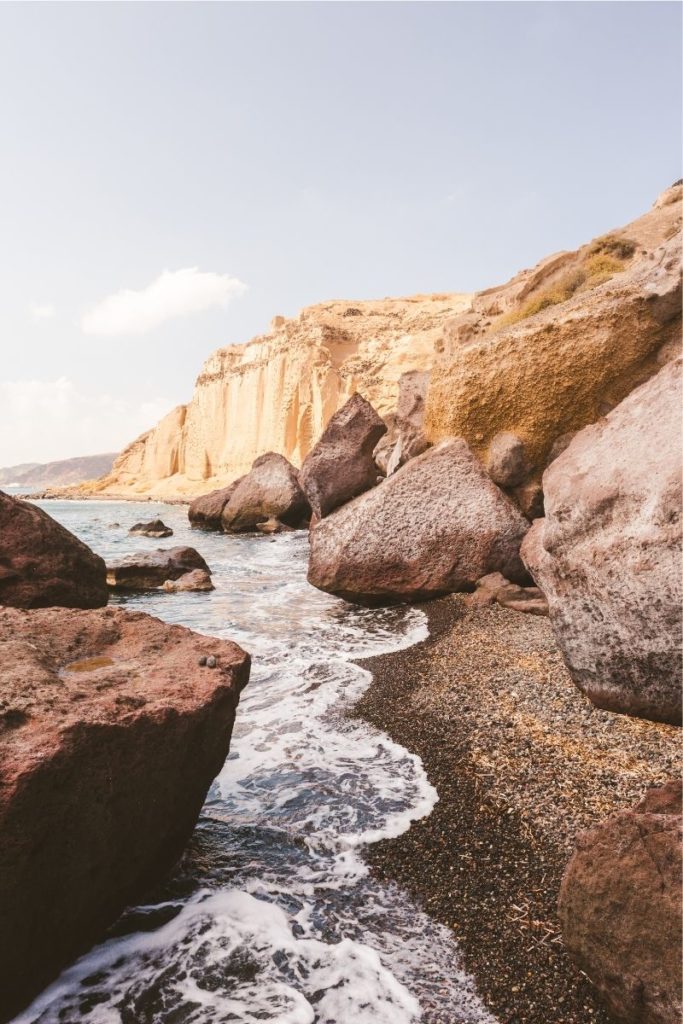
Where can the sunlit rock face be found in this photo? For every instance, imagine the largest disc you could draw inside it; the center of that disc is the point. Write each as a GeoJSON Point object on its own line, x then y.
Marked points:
{"type": "Point", "coordinates": [278, 392]}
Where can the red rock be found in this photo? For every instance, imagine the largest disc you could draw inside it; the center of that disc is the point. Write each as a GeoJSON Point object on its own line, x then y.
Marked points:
{"type": "Point", "coordinates": [435, 526]}
{"type": "Point", "coordinates": [620, 909]}
{"type": "Point", "coordinates": [608, 553]}
{"type": "Point", "coordinates": [340, 466]}
{"type": "Point", "coordinates": [405, 438]}
{"type": "Point", "coordinates": [269, 490]}
{"type": "Point", "coordinates": [206, 511]}
{"type": "Point", "coordinates": [495, 589]}
{"type": "Point", "coordinates": [149, 570]}
{"type": "Point", "coordinates": [42, 564]}
{"type": "Point", "coordinates": [110, 735]}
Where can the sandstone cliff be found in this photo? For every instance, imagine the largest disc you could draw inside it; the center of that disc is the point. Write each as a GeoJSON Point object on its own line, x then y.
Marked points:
{"type": "Point", "coordinates": [278, 392]}
{"type": "Point", "coordinates": [560, 345]}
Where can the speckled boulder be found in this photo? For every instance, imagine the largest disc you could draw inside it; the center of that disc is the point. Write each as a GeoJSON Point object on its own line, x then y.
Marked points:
{"type": "Point", "coordinates": [608, 553]}
{"type": "Point", "coordinates": [620, 909]}
{"type": "Point", "coordinates": [270, 489]}
{"type": "Point", "coordinates": [435, 526]}
{"type": "Point", "coordinates": [340, 466]}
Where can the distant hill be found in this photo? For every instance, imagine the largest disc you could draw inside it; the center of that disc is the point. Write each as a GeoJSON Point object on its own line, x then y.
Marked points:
{"type": "Point", "coordinates": [57, 474]}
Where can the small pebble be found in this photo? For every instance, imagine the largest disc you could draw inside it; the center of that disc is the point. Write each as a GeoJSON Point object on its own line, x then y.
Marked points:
{"type": "Point", "coordinates": [211, 661]}
{"type": "Point", "coordinates": [202, 660]}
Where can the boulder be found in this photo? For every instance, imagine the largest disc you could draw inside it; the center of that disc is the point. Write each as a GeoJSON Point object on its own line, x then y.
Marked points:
{"type": "Point", "coordinates": [529, 497]}
{"type": "Point", "coordinates": [111, 736]}
{"type": "Point", "coordinates": [436, 526]}
{"type": "Point", "coordinates": [340, 466]}
{"type": "Point", "coordinates": [495, 589]}
{"type": "Point", "coordinates": [608, 553]}
{"type": "Point", "coordinates": [155, 528]}
{"type": "Point", "coordinates": [269, 490]}
{"type": "Point", "coordinates": [620, 909]}
{"type": "Point", "coordinates": [42, 564]}
{"type": "Point", "coordinates": [405, 437]}
{"type": "Point", "coordinates": [196, 579]}
{"type": "Point", "coordinates": [507, 463]}
{"type": "Point", "coordinates": [206, 511]}
{"type": "Point", "coordinates": [149, 570]}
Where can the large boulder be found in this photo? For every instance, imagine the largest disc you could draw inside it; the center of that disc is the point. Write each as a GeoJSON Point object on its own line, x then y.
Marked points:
{"type": "Point", "coordinates": [620, 909]}
{"type": "Point", "coordinates": [42, 564]}
{"type": "Point", "coordinates": [405, 437]}
{"type": "Point", "coordinates": [111, 736]}
{"type": "Point", "coordinates": [608, 553]}
{"type": "Point", "coordinates": [270, 490]}
{"type": "Point", "coordinates": [437, 525]}
{"type": "Point", "coordinates": [149, 570]}
{"type": "Point", "coordinates": [206, 511]}
{"type": "Point", "coordinates": [340, 466]}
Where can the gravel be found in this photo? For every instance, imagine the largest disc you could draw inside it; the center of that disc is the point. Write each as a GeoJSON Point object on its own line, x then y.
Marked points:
{"type": "Point", "coordinates": [522, 762]}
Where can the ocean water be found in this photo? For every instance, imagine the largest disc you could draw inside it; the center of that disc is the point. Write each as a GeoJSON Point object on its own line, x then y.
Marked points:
{"type": "Point", "coordinates": [272, 915]}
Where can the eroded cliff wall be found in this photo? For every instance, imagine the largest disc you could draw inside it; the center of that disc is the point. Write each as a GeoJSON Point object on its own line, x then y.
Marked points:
{"type": "Point", "coordinates": [277, 392]}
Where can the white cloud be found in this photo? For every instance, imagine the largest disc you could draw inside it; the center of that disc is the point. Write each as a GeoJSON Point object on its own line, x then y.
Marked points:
{"type": "Point", "coordinates": [43, 312]}
{"type": "Point", "coordinates": [174, 293]}
{"type": "Point", "coordinates": [45, 420]}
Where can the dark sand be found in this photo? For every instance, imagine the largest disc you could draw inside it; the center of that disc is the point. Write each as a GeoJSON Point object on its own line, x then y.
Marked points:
{"type": "Point", "coordinates": [522, 762]}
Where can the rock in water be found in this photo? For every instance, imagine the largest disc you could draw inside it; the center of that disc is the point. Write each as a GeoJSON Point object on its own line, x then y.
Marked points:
{"type": "Point", "coordinates": [111, 736]}
{"type": "Point", "coordinates": [195, 580]}
{"type": "Point", "coordinates": [270, 490]}
{"type": "Point", "coordinates": [42, 564]}
{"type": "Point", "coordinates": [437, 525]}
{"type": "Point", "coordinates": [155, 528]}
{"type": "Point", "coordinates": [620, 909]}
{"type": "Point", "coordinates": [206, 511]}
{"type": "Point", "coordinates": [149, 570]}
{"type": "Point", "coordinates": [340, 466]}
{"type": "Point", "coordinates": [608, 553]}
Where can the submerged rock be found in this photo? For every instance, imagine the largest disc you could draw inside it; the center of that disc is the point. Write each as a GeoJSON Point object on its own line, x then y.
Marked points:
{"type": "Point", "coordinates": [111, 734]}
{"type": "Point", "coordinates": [340, 466]}
{"type": "Point", "coordinates": [608, 553]}
{"type": "Point", "coordinates": [42, 564]}
{"type": "Point", "coordinates": [620, 909]}
{"type": "Point", "coordinates": [155, 528]}
{"type": "Point", "coordinates": [437, 525]}
{"type": "Point", "coordinates": [269, 490]}
{"type": "Point", "coordinates": [149, 570]}
{"type": "Point", "coordinates": [206, 511]}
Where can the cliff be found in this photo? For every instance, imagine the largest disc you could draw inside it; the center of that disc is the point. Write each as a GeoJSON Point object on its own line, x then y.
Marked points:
{"type": "Point", "coordinates": [560, 345]}
{"type": "Point", "coordinates": [277, 392]}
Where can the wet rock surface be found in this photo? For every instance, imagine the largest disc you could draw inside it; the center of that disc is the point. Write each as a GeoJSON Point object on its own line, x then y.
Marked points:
{"type": "Point", "coordinates": [620, 909]}
{"type": "Point", "coordinates": [155, 528]}
{"type": "Point", "coordinates": [409, 540]}
{"type": "Point", "coordinates": [149, 570]}
{"type": "Point", "coordinates": [110, 735]}
{"type": "Point", "coordinates": [42, 564]}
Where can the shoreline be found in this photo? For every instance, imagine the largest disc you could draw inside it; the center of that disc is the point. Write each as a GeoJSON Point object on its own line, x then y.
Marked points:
{"type": "Point", "coordinates": [522, 762]}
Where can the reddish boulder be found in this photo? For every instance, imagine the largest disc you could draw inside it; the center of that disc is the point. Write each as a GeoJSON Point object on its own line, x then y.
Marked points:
{"type": "Point", "coordinates": [608, 553]}
{"type": "Point", "coordinates": [620, 909]}
{"type": "Point", "coordinates": [340, 466]}
{"type": "Point", "coordinates": [435, 526]}
{"type": "Point", "coordinates": [155, 528]}
{"type": "Point", "coordinates": [495, 589]}
{"type": "Point", "coordinates": [149, 570]}
{"type": "Point", "coordinates": [270, 490]}
{"type": "Point", "coordinates": [507, 462]}
{"type": "Point", "coordinates": [111, 735]}
{"type": "Point", "coordinates": [206, 511]}
{"type": "Point", "coordinates": [405, 437]}
{"type": "Point", "coordinates": [42, 564]}
{"type": "Point", "coordinates": [195, 580]}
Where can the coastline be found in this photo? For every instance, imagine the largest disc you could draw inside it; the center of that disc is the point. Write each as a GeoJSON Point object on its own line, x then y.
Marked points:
{"type": "Point", "coordinates": [522, 762]}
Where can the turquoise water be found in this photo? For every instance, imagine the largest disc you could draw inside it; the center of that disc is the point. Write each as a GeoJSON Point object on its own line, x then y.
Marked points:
{"type": "Point", "coordinates": [271, 915]}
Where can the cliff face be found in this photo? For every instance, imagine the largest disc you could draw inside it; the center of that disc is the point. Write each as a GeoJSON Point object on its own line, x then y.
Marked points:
{"type": "Point", "coordinates": [560, 345]}
{"type": "Point", "coordinates": [277, 392]}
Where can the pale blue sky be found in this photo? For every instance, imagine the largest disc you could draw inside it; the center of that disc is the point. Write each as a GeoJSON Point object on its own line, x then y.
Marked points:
{"type": "Point", "coordinates": [310, 151]}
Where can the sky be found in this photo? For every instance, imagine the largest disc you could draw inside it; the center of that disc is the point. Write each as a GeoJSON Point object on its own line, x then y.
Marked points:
{"type": "Point", "coordinates": [174, 175]}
